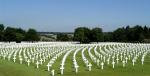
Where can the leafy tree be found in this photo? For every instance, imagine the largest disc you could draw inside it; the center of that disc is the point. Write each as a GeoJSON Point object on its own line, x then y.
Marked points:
{"type": "Point", "coordinates": [134, 34]}
{"type": "Point", "coordinates": [82, 34]}
{"type": "Point", "coordinates": [146, 32]}
{"type": "Point", "coordinates": [19, 37]}
{"type": "Point", "coordinates": [138, 33]}
{"type": "Point", "coordinates": [32, 35]}
{"type": "Point", "coordinates": [2, 27]}
{"type": "Point", "coordinates": [120, 35]}
{"type": "Point", "coordinates": [62, 37]}
{"type": "Point", "coordinates": [108, 37]}
{"type": "Point", "coordinates": [97, 35]}
{"type": "Point", "coordinates": [1, 31]}
{"type": "Point", "coordinates": [19, 30]}
{"type": "Point", "coordinates": [9, 34]}
{"type": "Point", "coordinates": [129, 33]}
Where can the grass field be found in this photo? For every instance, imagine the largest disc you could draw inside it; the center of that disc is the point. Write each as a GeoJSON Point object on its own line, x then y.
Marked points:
{"type": "Point", "coordinates": [9, 68]}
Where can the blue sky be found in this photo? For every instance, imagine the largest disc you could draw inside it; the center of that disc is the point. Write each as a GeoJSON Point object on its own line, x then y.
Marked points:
{"type": "Point", "coordinates": [66, 15]}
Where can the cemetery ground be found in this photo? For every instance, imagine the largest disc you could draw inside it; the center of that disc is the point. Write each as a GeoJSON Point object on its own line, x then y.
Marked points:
{"type": "Point", "coordinates": [11, 68]}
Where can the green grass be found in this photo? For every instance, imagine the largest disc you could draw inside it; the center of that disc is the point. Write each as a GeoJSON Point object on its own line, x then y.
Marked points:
{"type": "Point", "coordinates": [9, 68]}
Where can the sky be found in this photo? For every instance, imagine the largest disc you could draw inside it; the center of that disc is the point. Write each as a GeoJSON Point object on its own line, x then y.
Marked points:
{"type": "Point", "coordinates": [66, 15]}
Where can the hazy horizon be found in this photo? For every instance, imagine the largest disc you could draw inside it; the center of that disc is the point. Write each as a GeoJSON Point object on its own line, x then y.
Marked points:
{"type": "Point", "coordinates": [66, 15]}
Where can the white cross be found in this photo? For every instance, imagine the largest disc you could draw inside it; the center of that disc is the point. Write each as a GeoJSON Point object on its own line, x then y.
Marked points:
{"type": "Point", "coordinates": [41, 61]}
{"type": "Point", "coordinates": [133, 61]}
{"type": "Point", "coordinates": [98, 62]}
{"type": "Point", "coordinates": [20, 60]}
{"type": "Point", "coordinates": [28, 61]}
{"type": "Point", "coordinates": [37, 64]}
{"type": "Point", "coordinates": [89, 65]}
{"type": "Point", "coordinates": [48, 66]}
{"type": "Point", "coordinates": [102, 65]}
{"type": "Point", "coordinates": [62, 69]}
{"type": "Point", "coordinates": [117, 60]}
{"type": "Point", "coordinates": [142, 61]}
{"type": "Point", "coordinates": [126, 59]}
{"type": "Point", "coordinates": [14, 59]}
{"type": "Point", "coordinates": [113, 63]}
{"type": "Point", "coordinates": [107, 61]}
{"type": "Point", "coordinates": [76, 68]}
{"type": "Point", "coordinates": [53, 72]}
{"type": "Point", "coordinates": [123, 63]}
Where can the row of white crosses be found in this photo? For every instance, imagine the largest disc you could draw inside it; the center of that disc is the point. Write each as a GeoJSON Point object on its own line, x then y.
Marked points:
{"type": "Point", "coordinates": [115, 55]}
{"type": "Point", "coordinates": [38, 53]}
{"type": "Point", "coordinates": [26, 55]}
{"type": "Point", "coordinates": [57, 53]}
{"type": "Point", "coordinates": [85, 60]}
{"type": "Point", "coordinates": [137, 52]}
{"type": "Point", "coordinates": [75, 64]}
{"type": "Point", "coordinates": [124, 56]}
{"type": "Point", "coordinates": [64, 60]}
{"type": "Point", "coordinates": [49, 65]}
{"type": "Point", "coordinates": [99, 58]}
{"type": "Point", "coordinates": [91, 55]}
{"type": "Point", "coordinates": [54, 58]}
{"type": "Point", "coordinates": [123, 61]}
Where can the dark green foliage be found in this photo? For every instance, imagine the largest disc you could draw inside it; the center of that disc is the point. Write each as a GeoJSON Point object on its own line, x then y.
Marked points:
{"type": "Point", "coordinates": [124, 34]}
{"type": "Point", "coordinates": [17, 34]}
{"type": "Point", "coordinates": [134, 34]}
{"type": "Point", "coordinates": [1, 27]}
{"type": "Point", "coordinates": [63, 37]}
{"type": "Point", "coordinates": [1, 31]}
{"type": "Point", "coordinates": [82, 34]}
{"type": "Point", "coordinates": [85, 35]}
{"type": "Point", "coordinates": [108, 37]}
{"type": "Point", "coordinates": [10, 34]}
{"type": "Point", "coordinates": [97, 35]}
{"type": "Point", "coordinates": [146, 32]}
{"type": "Point", "coordinates": [120, 35]}
{"type": "Point", "coordinates": [32, 35]}
{"type": "Point", "coordinates": [20, 35]}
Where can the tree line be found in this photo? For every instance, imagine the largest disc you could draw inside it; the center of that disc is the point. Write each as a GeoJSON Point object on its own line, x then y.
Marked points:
{"type": "Point", "coordinates": [10, 34]}
{"type": "Point", "coordinates": [125, 34]}
{"type": "Point", "coordinates": [82, 34]}
{"type": "Point", "coordinates": [132, 34]}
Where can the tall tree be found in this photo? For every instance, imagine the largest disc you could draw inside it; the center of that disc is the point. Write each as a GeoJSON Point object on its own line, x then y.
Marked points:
{"type": "Point", "coordinates": [97, 35]}
{"type": "Point", "coordinates": [9, 34]}
{"type": "Point", "coordinates": [32, 35]}
{"type": "Point", "coordinates": [82, 34]}
{"type": "Point", "coordinates": [146, 32]}
{"type": "Point", "coordinates": [62, 37]}
{"type": "Point", "coordinates": [1, 31]}
{"type": "Point", "coordinates": [20, 35]}
{"type": "Point", "coordinates": [108, 37]}
{"type": "Point", "coordinates": [120, 35]}
{"type": "Point", "coordinates": [138, 33]}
